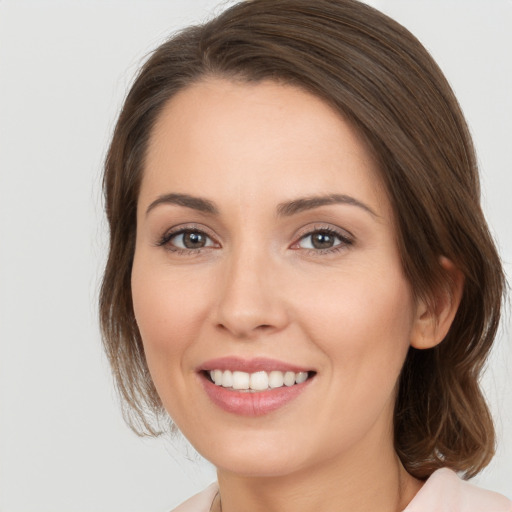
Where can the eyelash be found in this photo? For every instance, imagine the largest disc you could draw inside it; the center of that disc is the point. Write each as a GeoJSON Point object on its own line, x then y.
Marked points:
{"type": "Point", "coordinates": [345, 241]}
{"type": "Point", "coordinates": [167, 237]}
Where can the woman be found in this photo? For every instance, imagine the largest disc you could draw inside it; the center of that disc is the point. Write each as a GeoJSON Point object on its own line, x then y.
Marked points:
{"type": "Point", "coordinates": [300, 273]}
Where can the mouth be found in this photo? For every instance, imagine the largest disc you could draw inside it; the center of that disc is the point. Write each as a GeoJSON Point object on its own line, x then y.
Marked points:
{"type": "Point", "coordinates": [253, 388]}
{"type": "Point", "coordinates": [256, 382]}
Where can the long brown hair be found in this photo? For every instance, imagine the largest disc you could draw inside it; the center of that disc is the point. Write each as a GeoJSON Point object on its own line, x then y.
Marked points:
{"type": "Point", "coordinates": [381, 79]}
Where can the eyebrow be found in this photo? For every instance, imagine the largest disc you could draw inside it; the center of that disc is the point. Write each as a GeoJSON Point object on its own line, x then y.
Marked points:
{"type": "Point", "coordinates": [308, 203]}
{"type": "Point", "coordinates": [196, 203]}
{"type": "Point", "coordinates": [285, 209]}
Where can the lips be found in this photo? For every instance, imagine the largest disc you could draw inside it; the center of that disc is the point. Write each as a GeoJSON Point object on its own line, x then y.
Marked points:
{"type": "Point", "coordinates": [253, 387]}
{"type": "Point", "coordinates": [251, 365]}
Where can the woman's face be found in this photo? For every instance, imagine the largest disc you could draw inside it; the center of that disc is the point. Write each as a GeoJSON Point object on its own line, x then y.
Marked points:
{"type": "Point", "coordinates": [266, 247]}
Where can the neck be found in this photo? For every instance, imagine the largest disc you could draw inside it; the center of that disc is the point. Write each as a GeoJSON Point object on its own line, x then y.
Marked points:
{"type": "Point", "coordinates": [366, 480]}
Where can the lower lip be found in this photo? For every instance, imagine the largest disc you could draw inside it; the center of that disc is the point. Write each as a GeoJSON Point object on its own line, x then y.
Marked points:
{"type": "Point", "coordinates": [249, 403]}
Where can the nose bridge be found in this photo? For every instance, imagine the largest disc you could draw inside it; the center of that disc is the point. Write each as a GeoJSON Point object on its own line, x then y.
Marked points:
{"type": "Point", "coordinates": [249, 301]}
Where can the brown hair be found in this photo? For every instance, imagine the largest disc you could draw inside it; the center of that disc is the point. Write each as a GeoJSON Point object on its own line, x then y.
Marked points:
{"type": "Point", "coordinates": [381, 79]}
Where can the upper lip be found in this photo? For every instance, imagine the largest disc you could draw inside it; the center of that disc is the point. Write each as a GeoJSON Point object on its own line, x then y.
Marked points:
{"type": "Point", "coordinates": [257, 364]}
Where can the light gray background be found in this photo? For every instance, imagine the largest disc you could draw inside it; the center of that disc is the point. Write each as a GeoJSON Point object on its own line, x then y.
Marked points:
{"type": "Point", "coordinates": [64, 69]}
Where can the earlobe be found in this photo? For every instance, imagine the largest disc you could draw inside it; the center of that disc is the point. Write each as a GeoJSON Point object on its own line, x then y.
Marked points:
{"type": "Point", "coordinates": [435, 316]}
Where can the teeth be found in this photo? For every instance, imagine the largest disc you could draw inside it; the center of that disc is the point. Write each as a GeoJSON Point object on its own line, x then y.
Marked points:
{"type": "Point", "coordinates": [240, 380]}
{"type": "Point", "coordinates": [227, 379]}
{"type": "Point", "coordinates": [217, 377]}
{"type": "Point", "coordinates": [301, 377]}
{"type": "Point", "coordinates": [275, 379]}
{"type": "Point", "coordinates": [289, 379]}
{"type": "Point", "coordinates": [258, 381]}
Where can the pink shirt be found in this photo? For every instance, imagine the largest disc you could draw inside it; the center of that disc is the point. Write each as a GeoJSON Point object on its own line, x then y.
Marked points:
{"type": "Point", "coordinates": [444, 491]}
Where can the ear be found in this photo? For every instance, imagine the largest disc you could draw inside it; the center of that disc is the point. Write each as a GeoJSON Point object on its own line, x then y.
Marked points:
{"type": "Point", "coordinates": [434, 318]}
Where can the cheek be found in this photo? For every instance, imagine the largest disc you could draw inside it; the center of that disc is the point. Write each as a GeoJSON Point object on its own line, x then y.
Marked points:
{"type": "Point", "coordinates": [363, 324]}
{"type": "Point", "coordinates": [168, 309]}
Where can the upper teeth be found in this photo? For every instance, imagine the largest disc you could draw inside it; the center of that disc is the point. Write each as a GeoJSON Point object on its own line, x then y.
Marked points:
{"type": "Point", "coordinates": [258, 381]}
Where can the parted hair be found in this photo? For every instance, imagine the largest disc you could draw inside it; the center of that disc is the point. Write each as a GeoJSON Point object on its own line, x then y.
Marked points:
{"type": "Point", "coordinates": [380, 78]}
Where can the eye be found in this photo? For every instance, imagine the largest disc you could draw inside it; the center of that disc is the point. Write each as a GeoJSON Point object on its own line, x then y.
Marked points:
{"type": "Point", "coordinates": [187, 240]}
{"type": "Point", "coordinates": [323, 240]}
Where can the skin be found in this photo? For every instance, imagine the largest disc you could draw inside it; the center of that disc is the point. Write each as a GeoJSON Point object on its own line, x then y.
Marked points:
{"type": "Point", "coordinates": [259, 288]}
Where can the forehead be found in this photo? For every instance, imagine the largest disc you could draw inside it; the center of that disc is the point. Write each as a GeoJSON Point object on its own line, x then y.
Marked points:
{"type": "Point", "coordinates": [249, 140]}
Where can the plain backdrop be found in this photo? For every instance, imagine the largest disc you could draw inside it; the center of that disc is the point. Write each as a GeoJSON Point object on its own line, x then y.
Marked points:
{"type": "Point", "coordinates": [64, 70]}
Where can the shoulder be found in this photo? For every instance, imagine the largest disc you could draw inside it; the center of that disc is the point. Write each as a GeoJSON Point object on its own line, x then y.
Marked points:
{"type": "Point", "coordinates": [200, 502]}
{"type": "Point", "coordinates": [444, 491]}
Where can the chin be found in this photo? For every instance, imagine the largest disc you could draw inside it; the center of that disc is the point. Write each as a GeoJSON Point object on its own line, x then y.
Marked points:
{"type": "Point", "coordinates": [260, 454]}
{"type": "Point", "coordinates": [259, 465]}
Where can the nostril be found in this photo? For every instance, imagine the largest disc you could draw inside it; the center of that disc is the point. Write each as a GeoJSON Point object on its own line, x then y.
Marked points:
{"type": "Point", "coordinates": [241, 332]}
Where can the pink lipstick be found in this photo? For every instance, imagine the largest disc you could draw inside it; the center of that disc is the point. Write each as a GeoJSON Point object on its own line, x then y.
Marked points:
{"type": "Point", "coordinates": [253, 387]}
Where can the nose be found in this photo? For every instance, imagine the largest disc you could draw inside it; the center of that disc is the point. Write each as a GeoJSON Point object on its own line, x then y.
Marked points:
{"type": "Point", "coordinates": [250, 301]}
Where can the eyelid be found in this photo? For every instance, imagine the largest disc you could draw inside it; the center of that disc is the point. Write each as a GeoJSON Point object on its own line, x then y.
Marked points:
{"type": "Point", "coordinates": [346, 240]}
{"type": "Point", "coordinates": [183, 228]}
{"type": "Point", "coordinates": [315, 228]}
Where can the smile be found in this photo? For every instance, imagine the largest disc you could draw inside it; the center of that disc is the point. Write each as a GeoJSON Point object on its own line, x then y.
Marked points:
{"type": "Point", "coordinates": [253, 387]}
{"type": "Point", "coordinates": [256, 382]}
